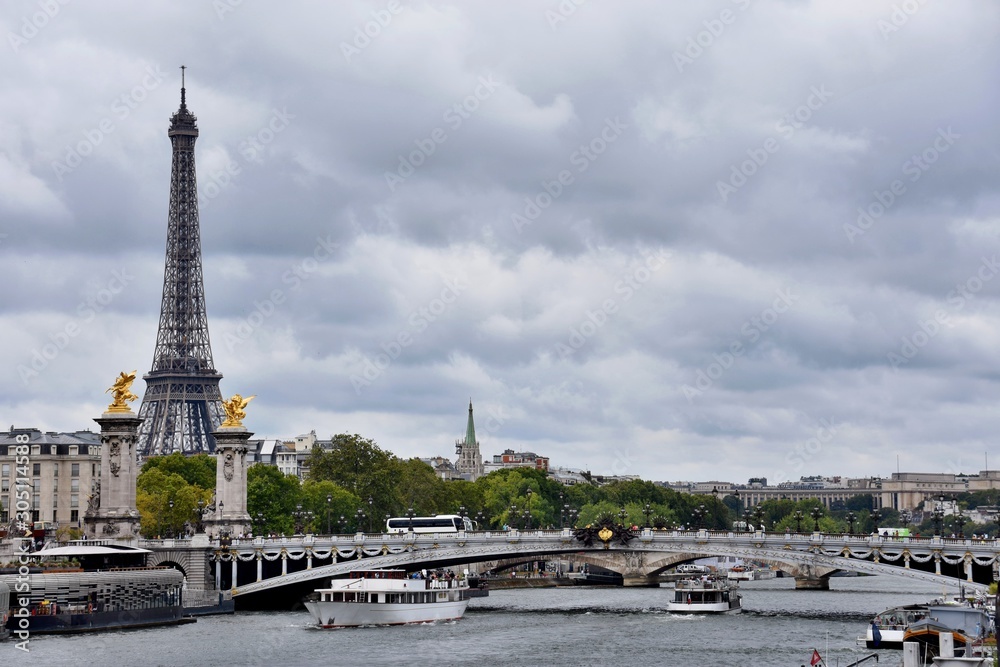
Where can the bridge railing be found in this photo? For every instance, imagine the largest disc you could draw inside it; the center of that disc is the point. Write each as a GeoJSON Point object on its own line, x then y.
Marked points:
{"type": "Point", "coordinates": [805, 539]}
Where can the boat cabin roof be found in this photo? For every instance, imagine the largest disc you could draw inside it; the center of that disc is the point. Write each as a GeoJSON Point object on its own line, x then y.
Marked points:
{"type": "Point", "coordinates": [378, 574]}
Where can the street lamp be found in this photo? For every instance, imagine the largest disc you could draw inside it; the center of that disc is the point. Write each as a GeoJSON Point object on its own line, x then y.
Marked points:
{"type": "Point", "coordinates": [699, 515]}
{"type": "Point", "coordinates": [647, 511]}
{"type": "Point", "coordinates": [938, 515]}
{"type": "Point", "coordinates": [739, 506]}
{"type": "Point", "coordinates": [623, 514]}
{"type": "Point", "coordinates": [876, 517]}
{"type": "Point", "coordinates": [851, 518]}
{"type": "Point", "coordinates": [747, 516]}
{"type": "Point", "coordinates": [798, 516]}
{"type": "Point", "coordinates": [480, 520]}
{"type": "Point", "coordinates": [343, 524]}
{"type": "Point", "coordinates": [170, 518]}
{"type": "Point", "coordinates": [329, 506]}
{"type": "Point", "coordinates": [370, 513]}
{"type": "Point", "coordinates": [527, 524]}
{"type": "Point", "coordinates": [410, 514]}
{"type": "Point", "coordinates": [758, 513]}
{"type": "Point", "coordinates": [359, 517]}
{"type": "Point", "coordinates": [513, 515]}
{"type": "Point", "coordinates": [302, 517]}
{"type": "Point", "coordinates": [573, 513]}
{"type": "Point", "coordinates": [816, 513]}
{"type": "Point", "coordinates": [260, 523]}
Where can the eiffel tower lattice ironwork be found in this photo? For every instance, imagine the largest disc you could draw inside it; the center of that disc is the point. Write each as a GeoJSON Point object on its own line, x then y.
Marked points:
{"type": "Point", "coordinates": [182, 405]}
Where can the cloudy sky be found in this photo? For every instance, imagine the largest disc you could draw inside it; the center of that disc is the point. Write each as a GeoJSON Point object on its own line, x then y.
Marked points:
{"type": "Point", "coordinates": [681, 240]}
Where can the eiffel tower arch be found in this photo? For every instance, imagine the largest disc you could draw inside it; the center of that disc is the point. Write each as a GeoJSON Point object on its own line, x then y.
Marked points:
{"type": "Point", "coordinates": [182, 405]}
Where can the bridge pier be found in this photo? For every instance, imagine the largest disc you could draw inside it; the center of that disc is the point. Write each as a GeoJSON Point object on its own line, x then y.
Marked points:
{"type": "Point", "coordinates": [812, 583]}
{"type": "Point", "coordinates": [646, 580]}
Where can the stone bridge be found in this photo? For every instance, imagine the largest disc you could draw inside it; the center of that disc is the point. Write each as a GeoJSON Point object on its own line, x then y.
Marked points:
{"type": "Point", "coordinates": [268, 569]}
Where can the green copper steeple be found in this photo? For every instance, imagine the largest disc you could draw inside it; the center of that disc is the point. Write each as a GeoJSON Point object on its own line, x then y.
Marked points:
{"type": "Point", "coordinates": [470, 430]}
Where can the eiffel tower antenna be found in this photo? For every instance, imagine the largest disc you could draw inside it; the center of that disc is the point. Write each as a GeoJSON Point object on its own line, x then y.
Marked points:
{"type": "Point", "coordinates": [182, 405]}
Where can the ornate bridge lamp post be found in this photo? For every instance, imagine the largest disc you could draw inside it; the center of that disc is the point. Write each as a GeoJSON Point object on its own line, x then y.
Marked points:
{"type": "Point", "coordinates": [758, 514]}
{"type": "Point", "coordinates": [297, 515]}
{"type": "Point", "coordinates": [938, 516]}
{"type": "Point", "coordinates": [747, 517]}
{"type": "Point", "coordinates": [329, 506]}
{"type": "Point", "coordinates": [623, 514]}
{"type": "Point", "coordinates": [359, 518]}
{"type": "Point", "coordinates": [798, 516]}
{"type": "Point", "coordinates": [647, 511]}
{"type": "Point", "coordinates": [260, 523]}
{"type": "Point", "coordinates": [573, 513]}
{"type": "Point", "coordinates": [513, 515]}
{"type": "Point", "coordinates": [527, 523]}
{"type": "Point", "coordinates": [526, 515]}
{"type": "Point", "coordinates": [876, 517]}
{"type": "Point", "coordinates": [343, 524]}
{"type": "Point", "coordinates": [409, 515]}
{"type": "Point", "coordinates": [816, 513]}
{"type": "Point", "coordinates": [370, 513]}
{"type": "Point", "coordinates": [851, 518]}
{"type": "Point", "coordinates": [699, 516]}
{"type": "Point", "coordinates": [739, 503]}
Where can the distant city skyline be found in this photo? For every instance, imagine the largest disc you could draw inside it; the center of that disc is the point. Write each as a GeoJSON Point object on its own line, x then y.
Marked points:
{"type": "Point", "coordinates": [666, 239]}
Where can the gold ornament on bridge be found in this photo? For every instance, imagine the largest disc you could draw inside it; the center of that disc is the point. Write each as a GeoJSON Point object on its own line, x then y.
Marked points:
{"type": "Point", "coordinates": [234, 410]}
{"type": "Point", "coordinates": [605, 534]}
{"type": "Point", "coordinates": [121, 392]}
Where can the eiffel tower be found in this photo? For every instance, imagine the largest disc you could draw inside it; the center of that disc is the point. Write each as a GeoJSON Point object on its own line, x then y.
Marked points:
{"type": "Point", "coordinates": [182, 405]}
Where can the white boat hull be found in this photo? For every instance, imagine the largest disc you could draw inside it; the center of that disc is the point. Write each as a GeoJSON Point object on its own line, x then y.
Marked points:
{"type": "Point", "coordinates": [703, 608]}
{"type": "Point", "coordinates": [354, 614]}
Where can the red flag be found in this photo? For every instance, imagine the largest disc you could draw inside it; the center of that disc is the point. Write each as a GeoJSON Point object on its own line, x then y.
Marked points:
{"type": "Point", "coordinates": [816, 659]}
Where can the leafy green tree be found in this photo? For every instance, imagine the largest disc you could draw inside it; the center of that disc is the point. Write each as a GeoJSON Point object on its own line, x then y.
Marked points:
{"type": "Point", "coordinates": [418, 487]}
{"type": "Point", "coordinates": [198, 470]}
{"type": "Point", "coordinates": [167, 503]}
{"type": "Point", "coordinates": [363, 468]}
{"type": "Point", "coordinates": [328, 502]}
{"type": "Point", "coordinates": [271, 499]}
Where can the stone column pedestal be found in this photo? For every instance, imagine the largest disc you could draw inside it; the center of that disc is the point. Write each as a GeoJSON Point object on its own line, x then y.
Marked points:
{"type": "Point", "coordinates": [112, 513]}
{"type": "Point", "coordinates": [230, 516]}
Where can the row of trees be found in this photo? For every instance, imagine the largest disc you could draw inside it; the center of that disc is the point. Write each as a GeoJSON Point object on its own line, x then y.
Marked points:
{"type": "Point", "coordinates": [356, 485]}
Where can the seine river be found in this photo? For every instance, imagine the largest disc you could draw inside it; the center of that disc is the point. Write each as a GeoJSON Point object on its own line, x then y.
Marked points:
{"type": "Point", "coordinates": [561, 626]}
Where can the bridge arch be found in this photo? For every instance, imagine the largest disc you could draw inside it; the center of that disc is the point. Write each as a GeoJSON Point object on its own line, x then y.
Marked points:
{"type": "Point", "coordinates": [806, 556]}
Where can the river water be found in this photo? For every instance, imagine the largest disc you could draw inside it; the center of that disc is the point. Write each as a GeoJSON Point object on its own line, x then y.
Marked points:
{"type": "Point", "coordinates": [561, 626]}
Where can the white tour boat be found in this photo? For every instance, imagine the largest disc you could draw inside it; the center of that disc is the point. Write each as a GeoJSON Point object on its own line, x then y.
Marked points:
{"type": "Point", "coordinates": [387, 597]}
{"type": "Point", "coordinates": [706, 595]}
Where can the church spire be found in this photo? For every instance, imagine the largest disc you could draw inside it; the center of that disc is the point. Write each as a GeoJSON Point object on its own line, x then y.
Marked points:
{"type": "Point", "coordinates": [470, 430]}
{"type": "Point", "coordinates": [470, 460]}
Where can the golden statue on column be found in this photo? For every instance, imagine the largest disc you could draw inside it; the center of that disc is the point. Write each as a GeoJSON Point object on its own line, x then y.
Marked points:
{"type": "Point", "coordinates": [121, 392]}
{"type": "Point", "coordinates": [235, 412]}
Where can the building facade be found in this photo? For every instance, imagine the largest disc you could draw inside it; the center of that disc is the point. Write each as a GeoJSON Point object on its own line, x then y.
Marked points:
{"type": "Point", "coordinates": [63, 469]}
